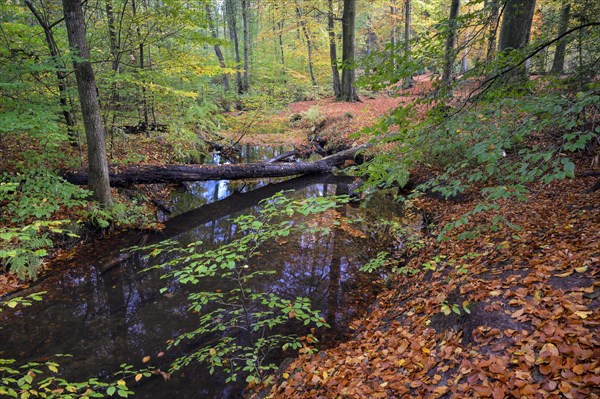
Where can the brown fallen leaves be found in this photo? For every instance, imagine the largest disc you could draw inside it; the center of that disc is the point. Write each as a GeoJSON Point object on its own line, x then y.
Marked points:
{"type": "Point", "coordinates": [533, 327]}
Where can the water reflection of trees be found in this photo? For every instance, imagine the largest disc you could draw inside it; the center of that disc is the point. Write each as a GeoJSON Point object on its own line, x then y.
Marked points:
{"type": "Point", "coordinates": [105, 319]}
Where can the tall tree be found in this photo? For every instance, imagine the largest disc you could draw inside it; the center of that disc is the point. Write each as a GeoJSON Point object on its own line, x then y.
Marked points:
{"type": "Point", "coordinates": [246, 28]}
{"type": "Point", "coordinates": [408, 82]}
{"type": "Point", "coordinates": [449, 54]}
{"type": "Point", "coordinates": [394, 29]}
{"type": "Point", "coordinates": [230, 11]}
{"type": "Point", "coordinates": [217, 48]}
{"type": "Point", "coordinates": [515, 32]}
{"type": "Point", "coordinates": [88, 98]}
{"type": "Point", "coordinates": [309, 44]}
{"type": "Point", "coordinates": [348, 92]}
{"type": "Point", "coordinates": [337, 84]}
{"type": "Point", "coordinates": [492, 6]}
{"type": "Point", "coordinates": [558, 65]}
{"type": "Point", "coordinates": [141, 56]}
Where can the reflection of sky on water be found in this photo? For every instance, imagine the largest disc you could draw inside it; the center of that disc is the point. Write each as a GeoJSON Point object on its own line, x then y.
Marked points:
{"type": "Point", "coordinates": [105, 319]}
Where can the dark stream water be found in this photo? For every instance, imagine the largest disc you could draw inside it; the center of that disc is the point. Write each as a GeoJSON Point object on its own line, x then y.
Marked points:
{"type": "Point", "coordinates": [104, 311]}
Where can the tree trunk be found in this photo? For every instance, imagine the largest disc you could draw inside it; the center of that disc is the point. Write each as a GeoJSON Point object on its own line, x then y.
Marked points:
{"type": "Point", "coordinates": [514, 33]}
{"type": "Point", "coordinates": [146, 174]}
{"type": "Point", "coordinates": [61, 77]}
{"type": "Point", "coordinates": [233, 35]}
{"type": "Point", "coordinates": [394, 31]}
{"type": "Point", "coordinates": [449, 54]}
{"type": "Point", "coordinates": [408, 82]}
{"type": "Point", "coordinates": [90, 108]}
{"type": "Point", "coordinates": [141, 64]}
{"type": "Point", "coordinates": [558, 64]}
{"type": "Point", "coordinates": [337, 85]}
{"type": "Point", "coordinates": [464, 62]}
{"type": "Point", "coordinates": [246, 25]}
{"type": "Point", "coordinates": [348, 92]}
{"type": "Point", "coordinates": [112, 36]}
{"type": "Point", "coordinates": [493, 29]}
{"type": "Point", "coordinates": [309, 46]}
{"type": "Point", "coordinates": [218, 52]}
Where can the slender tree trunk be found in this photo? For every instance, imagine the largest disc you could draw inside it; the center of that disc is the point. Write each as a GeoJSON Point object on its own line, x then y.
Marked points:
{"type": "Point", "coordinates": [61, 77]}
{"type": "Point", "coordinates": [112, 36]}
{"type": "Point", "coordinates": [515, 31]}
{"type": "Point", "coordinates": [280, 23]}
{"type": "Point", "coordinates": [348, 92]}
{"type": "Point", "coordinates": [309, 45]}
{"type": "Point", "coordinates": [464, 64]}
{"type": "Point", "coordinates": [370, 36]}
{"type": "Point", "coordinates": [218, 52]}
{"type": "Point", "coordinates": [493, 30]}
{"type": "Point", "coordinates": [246, 26]}
{"type": "Point", "coordinates": [141, 64]}
{"type": "Point", "coordinates": [337, 84]}
{"type": "Point", "coordinates": [449, 54]}
{"type": "Point", "coordinates": [394, 31]}
{"type": "Point", "coordinates": [558, 65]}
{"type": "Point", "coordinates": [233, 35]}
{"type": "Point", "coordinates": [90, 108]}
{"type": "Point", "coordinates": [408, 82]}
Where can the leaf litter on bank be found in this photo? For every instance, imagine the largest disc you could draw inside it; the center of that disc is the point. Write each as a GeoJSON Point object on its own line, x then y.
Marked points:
{"type": "Point", "coordinates": [532, 331]}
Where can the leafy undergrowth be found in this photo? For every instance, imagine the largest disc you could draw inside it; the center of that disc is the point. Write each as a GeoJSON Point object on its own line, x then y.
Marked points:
{"type": "Point", "coordinates": [513, 313]}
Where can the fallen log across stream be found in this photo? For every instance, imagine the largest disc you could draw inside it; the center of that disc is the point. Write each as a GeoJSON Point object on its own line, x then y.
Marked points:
{"type": "Point", "coordinates": [148, 174]}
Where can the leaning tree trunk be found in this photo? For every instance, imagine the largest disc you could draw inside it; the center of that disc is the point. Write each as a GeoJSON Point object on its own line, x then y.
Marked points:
{"type": "Point", "coordinates": [558, 64]}
{"type": "Point", "coordinates": [88, 97]}
{"type": "Point", "coordinates": [337, 84]}
{"type": "Point", "coordinates": [514, 34]}
{"type": "Point", "coordinates": [449, 53]}
{"type": "Point", "coordinates": [348, 92]}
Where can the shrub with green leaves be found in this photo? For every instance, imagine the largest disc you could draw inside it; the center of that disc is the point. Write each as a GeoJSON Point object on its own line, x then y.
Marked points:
{"type": "Point", "coordinates": [247, 321]}
{"type": "Point", "coordinates": [500, 145]}
{"type": "Point", "coordinates": [31, 203]}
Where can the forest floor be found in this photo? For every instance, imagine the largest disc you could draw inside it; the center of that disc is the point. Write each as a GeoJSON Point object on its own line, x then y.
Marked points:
{"type": "Point", "coordinates": [531, 329]}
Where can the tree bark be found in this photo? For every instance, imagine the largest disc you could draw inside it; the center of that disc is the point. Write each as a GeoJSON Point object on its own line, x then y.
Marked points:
{"type": "Point", "coordinates": [408, 82]}
{"type": "Point", "coordinates": [309, 45]}
{"type": "Point", "coordinates": [514, 33]}
{"type": "Point", "coordinates": [449, 54]}
{"type": "Point", "coordinates": [558, 65]}
{"type": "Point", "coordinates": [394, 30]}
{"type": "Point", "coordinates": [141, 55]}
{"type": "Point", "coordinates": [90, 108]}
{"type": "Point", "coordinates": [337, 84]}
{"type": "Point", "coordinates": [217, 48]}
{"type": "Point", "coordinates": [246, 26]}
{"type": "Point", "coordinates": [146, 174]}
{"type": "Point", "coordinates": [233, 36]}
{"type": "Point", "coordinates": [348, 92]}
{"type": "Point", "coordinates": [493, 29]}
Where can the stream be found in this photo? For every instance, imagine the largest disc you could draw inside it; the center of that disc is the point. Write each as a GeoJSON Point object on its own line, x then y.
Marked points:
{"type": "Point", "coordinates": [103, 310]}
